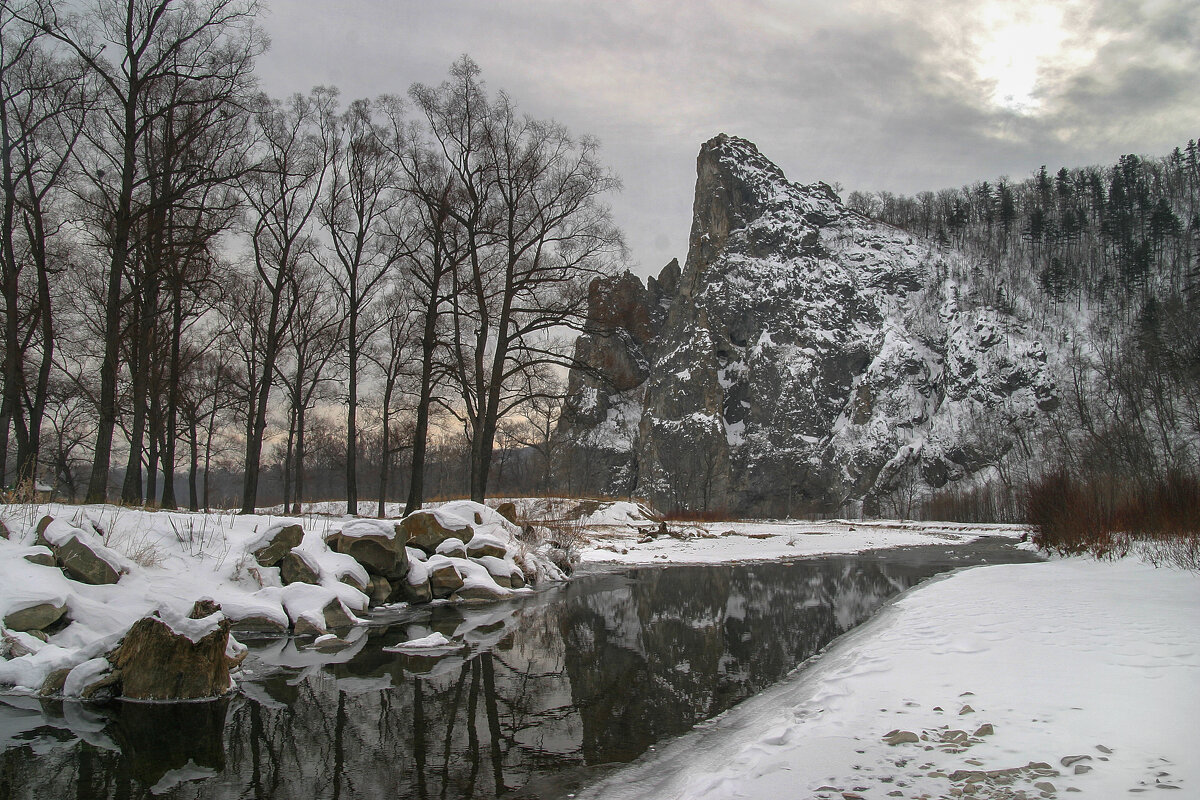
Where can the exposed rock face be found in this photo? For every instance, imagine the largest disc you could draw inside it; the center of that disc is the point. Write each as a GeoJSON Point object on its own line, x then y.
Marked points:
{"type": "Point", "coordinates": [378, 546]}
{"type": "Point", "coordinates": [295, 568]}
{"type": "Point", "coordinates": [508, 511]}
{"type": "Point", "coordinates": [804, 358]}
{"type": "Point", "coordinates": [444, 579]}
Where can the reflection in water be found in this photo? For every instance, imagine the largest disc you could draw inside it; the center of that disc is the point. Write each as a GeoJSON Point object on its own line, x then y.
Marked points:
{"type": "Point", "coordinates": [546, 690]}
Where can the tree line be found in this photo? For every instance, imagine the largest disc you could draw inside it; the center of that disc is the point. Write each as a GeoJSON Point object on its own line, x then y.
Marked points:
{"type": "Point", "coordinates": [196, 275]}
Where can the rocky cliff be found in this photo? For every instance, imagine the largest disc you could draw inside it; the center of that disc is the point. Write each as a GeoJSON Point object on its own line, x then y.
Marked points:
{"type": "Point", "coordinates": [804, 358]}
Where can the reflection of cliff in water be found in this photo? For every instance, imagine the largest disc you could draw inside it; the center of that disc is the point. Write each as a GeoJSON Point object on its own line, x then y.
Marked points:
{"type": "Point", "coordinates": [586, 674]}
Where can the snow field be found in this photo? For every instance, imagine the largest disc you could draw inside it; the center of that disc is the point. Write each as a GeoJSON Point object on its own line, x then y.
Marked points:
{"type": "Point", "coordinates": [1032, 680]}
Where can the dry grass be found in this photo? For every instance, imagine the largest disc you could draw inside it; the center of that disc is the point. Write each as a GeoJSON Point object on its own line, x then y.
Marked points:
{"type": "Point", "coordinates": [688, 515]}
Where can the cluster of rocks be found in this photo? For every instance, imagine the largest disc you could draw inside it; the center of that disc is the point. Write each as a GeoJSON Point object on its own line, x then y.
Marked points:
{"type": "Point", "coordinates": [315, 588]}
{"type": "Point", "coordinates": [426, 556]}
{"type": "Point", "coordinates": [80, 555]}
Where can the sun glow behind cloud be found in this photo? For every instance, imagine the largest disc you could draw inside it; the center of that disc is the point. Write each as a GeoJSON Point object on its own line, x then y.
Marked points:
{"type": "Point", "coordinates": [1014, 46]}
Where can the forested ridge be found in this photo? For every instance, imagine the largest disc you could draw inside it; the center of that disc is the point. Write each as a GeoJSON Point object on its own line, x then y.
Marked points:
{"type": "Point", "coordinates": [1106, 260]}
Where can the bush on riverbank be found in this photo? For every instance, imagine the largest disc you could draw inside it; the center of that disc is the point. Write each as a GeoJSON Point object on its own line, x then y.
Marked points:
{"type": "Point", "coordinates": [1107, 517]}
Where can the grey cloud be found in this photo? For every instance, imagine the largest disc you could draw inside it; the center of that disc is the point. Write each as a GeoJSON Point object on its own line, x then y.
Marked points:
{"type": "Point", "coordinates": [876, 94]}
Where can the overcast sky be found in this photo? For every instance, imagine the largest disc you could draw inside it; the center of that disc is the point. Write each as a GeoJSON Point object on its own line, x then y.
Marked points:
{"type": "Point", "coordinates": [902, 95]}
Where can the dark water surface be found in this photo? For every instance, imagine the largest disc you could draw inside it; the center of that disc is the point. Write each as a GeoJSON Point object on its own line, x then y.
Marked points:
{"type": "Point", "coordinates": [547, 691]}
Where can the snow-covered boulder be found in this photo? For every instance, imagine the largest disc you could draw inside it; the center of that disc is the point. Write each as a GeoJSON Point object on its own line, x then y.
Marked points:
{"type": "Point", "coordinates": [378, 545]}
{"type": "Point", "coordinates": [487, 545]}
{"type": "Point", "coordinates": [276, 542]}
{"type": "Point", "coordinates": [174, 657]}
{"type": "Point", "coordinates": [428, 529]}
{"type": "Point", "coordinates": [315, 610]}
{"type": "Point", "coordinates": [298, 567]}
{"type": "Point", "coordinates": [82, 555]}
{"type": "Point", "coordinates": [36, 617]}
{"type": "Point", "coordinates": [444, 577]}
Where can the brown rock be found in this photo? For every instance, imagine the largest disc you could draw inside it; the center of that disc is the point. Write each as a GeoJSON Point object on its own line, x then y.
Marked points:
{"type": "Point", "coordinates": [417, 593]}
{"type": "Point", "coordinates": [334, 617]}
{"type": "Point", "coordinates": [255, 623]}
{"type": "Point", "coordinates": [378, 552]}
{"type": "Point", "coordinates": [508, 511]}
{"type": "Point", "coordinates": [444, 580]}
{"type": "Point", "coordinates": [83, 564]}
{"type": "Point", "coordinates": [53, 685]}
{"type": "Point", "coordinates": [478, 549]}
{"type": "Point", "coordinates": [422, 529]}
{"type": "Point", "coordinates": [107, 686]}
{"type": "Point", "coordinates": [279, 545]}
{"type": "Point", "coordinates": [350, 579]}
{"type": "Point", "coordinates": [156, 663]}
{"type": "Point", "coordinates": [41, 555]}
{"type": "Point", "coordinates": [294, 568]}
{"type": "Point", "coordinates": [4, 530]}
{"type": "Point", "coordinates": [379, 590]}
{"type": "Point", "coordinates": [34, 618]}
{"type": "Point", "coordinates": [40, 532]}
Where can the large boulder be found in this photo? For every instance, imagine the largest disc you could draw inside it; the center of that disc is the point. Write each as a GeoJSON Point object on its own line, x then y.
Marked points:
{"type": "Point", "coordinates": [480, 592]}
{"type": "Point", "coordinates": [297, 567]}
{"type": "Point", "coordinates": [416, 592]}
{"type": "Point", "coordinates": [377, 545]}
{"type": "Point", "coordinates": [485, 545]}
{"type": "Point", "coordinates": [379, 590]}
{"type": "Point", "coordinates": [35, 617]}
{"type": "Point", "coordinates": [276, 542]}
{"type": "Point", "coordinates": [427, 530]}
{"type": "Point", "coordinates": [86, 562]}
{"type": "Point", "coordinates": [172, 657]}
{"type": "Point", "coordinates": [259, 623]}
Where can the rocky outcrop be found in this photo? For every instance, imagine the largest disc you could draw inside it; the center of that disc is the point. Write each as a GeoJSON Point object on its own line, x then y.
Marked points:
{"type": "Point", "coordinates": [803, 358]}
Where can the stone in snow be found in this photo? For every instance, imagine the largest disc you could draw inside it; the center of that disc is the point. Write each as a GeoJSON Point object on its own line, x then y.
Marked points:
{"type": "Point", "coordinates": [277, 542]}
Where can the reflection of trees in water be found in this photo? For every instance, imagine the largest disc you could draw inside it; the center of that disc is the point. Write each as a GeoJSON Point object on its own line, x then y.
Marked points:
{"type": "Point", "coordinates": [593, 672]}
{"type": "Point", "coordinates": [683, 644]}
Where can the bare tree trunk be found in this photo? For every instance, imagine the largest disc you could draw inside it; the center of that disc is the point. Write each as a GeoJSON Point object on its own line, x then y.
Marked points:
{"type": "Point", "coordinates": [352, 415]}
{"type": "Point", "coordinates": [122, 223]}
{"type": "Point", "coordinates": [385, 446]}
{"type": "Point", "coordinates": [298, 502]}
{"type": "Point", "coordinates": [172, 424]}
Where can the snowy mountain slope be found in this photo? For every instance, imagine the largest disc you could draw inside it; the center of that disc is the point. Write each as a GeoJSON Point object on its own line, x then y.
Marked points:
{"type": "Point", "coordinates": [809, 358]}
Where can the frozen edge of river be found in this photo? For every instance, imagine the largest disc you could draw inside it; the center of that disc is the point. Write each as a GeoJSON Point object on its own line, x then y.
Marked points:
{"type": "Point", "coordinates": [1062, 659]}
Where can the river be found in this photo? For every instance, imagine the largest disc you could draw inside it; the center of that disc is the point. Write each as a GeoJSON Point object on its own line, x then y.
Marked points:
{"type": "Point", "coordinates": [548, 693]}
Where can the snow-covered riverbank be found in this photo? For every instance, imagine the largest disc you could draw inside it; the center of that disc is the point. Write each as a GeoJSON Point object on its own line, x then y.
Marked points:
{"type": "Point", "coordinates": [1030, 680]}
{"type": "Point", "coordinates": [74, 579]}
